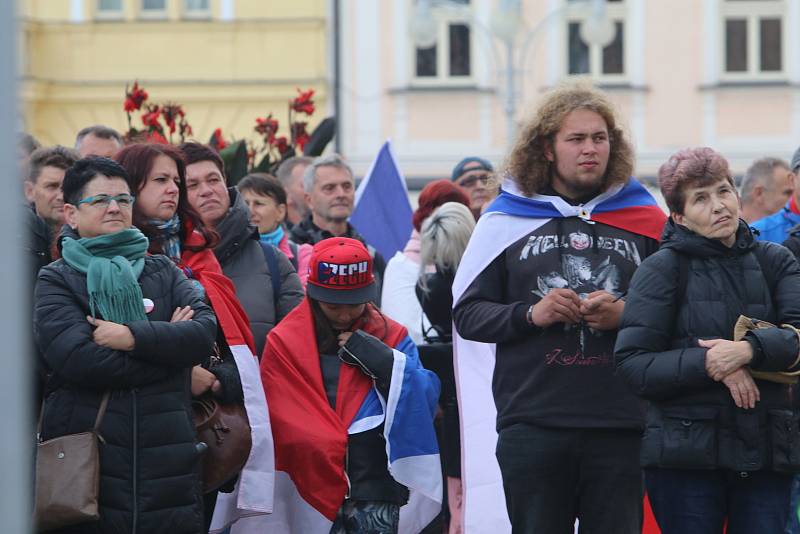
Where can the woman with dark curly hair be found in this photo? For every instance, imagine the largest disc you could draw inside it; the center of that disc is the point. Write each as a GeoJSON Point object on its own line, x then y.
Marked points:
{"type": "Point", "coordinates": [699, 341]}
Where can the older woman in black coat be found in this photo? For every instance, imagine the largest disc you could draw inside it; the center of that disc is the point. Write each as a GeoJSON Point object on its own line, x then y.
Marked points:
{"type": "Point", "coordinates": [109, 318]}
{"type": "Point", "coordinates": [721, 439]}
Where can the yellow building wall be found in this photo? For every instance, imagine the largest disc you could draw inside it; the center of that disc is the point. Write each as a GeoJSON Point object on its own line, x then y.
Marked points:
{"type": "Point", "coordinates": [224, 73]}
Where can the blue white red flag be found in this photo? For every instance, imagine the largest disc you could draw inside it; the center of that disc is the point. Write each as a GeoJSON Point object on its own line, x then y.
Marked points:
{"type": "Point", "coordinates": [311, 437]}
{"type": "Point", "coordinates": [508, 219]}
{"type": "Point", "coordinates": [382, 214]}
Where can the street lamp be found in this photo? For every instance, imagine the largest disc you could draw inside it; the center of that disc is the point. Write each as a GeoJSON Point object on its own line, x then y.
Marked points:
{"type": "Point", "coordinates": [506, 24]}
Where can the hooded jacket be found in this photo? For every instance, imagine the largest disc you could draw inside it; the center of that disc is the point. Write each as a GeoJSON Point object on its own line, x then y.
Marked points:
{"type": "Point", "coordinates": [242, 258]}
{"type": "Point", "coordinates": [692, 421]}
{"type": "Point", "coordinates": [149, 462]}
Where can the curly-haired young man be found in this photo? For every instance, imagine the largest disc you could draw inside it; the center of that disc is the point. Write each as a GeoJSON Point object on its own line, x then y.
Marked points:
{"type": "Point", "coordinates": [541, 290]}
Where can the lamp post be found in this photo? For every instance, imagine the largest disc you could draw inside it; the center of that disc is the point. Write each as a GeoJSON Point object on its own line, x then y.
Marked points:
{"type": "Point", "coordinates": [506, 25]}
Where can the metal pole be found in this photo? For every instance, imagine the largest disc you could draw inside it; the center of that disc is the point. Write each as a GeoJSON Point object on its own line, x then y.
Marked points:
{"type": "Point", "coordinates": [337, 77]}
{"type": "Point", "coordinates": [511, 101]}
{"type": "Point", "coordinates": [17, 443]}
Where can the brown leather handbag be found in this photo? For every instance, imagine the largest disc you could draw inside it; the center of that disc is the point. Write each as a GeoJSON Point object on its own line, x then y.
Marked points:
{"type": "Point", "coordinates": [225, 430]}
{"type": "Point", "coordinates": [68, 476]}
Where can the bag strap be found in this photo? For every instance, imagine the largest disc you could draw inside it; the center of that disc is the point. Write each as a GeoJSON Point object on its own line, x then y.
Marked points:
{"type": "Point", "coordinates": [274, 272]}
{"type": "Point", "coordinates": [295, 250]}
{"type": "Point", "coordinates": [101, 412]}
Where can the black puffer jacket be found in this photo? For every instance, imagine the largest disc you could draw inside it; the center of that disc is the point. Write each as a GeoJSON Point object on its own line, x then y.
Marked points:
{"type": "Point", "coordinates": [149, 462]}
{"type": "Point", "coordinates": [692, 422]}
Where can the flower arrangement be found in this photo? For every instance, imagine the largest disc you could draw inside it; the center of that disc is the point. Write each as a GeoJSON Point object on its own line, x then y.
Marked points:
{"type": "Point", "coordinates": [161, 121]}
{"type": "Point", "coordinates": [153, 130]}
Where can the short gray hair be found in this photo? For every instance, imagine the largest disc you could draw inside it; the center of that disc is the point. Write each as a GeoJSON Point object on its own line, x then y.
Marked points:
{"type": "Point", "coordinates": [333, 160]}
{"type": "Point", "coordinates": [284, 172]}
{"type": "Point", "coordinates": [760, 173]}
{"type": "Point", "coordinates": [98, 130]}
{"type": "Point", "coordinates": [444, 237]}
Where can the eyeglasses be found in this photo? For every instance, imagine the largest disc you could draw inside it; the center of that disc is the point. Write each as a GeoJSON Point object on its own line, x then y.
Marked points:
{"type": "Point", "coordinates": [124, 201]}
{"type": "Point", "coordinates": [470, 181]}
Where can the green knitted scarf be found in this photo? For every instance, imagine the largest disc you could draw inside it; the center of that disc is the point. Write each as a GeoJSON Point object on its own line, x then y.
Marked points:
{"type": "Point", "coordinates": [112, 264]}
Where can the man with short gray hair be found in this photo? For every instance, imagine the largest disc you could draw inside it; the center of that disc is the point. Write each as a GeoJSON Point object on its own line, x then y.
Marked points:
{"type": "Point", "coordinates": [98, 140]}
{"type": "Point", "coordinates": [290, 173]}
{"type": "Point", "coordinates": [766, 187]}
{"type": "Point", "coordinates": [778, 226]}
{"type": "Point", "coordinates": [330, 189]}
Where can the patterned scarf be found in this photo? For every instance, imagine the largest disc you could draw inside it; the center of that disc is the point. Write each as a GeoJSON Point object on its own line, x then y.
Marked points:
{"type": "Point", "coordinates": [170, 236]}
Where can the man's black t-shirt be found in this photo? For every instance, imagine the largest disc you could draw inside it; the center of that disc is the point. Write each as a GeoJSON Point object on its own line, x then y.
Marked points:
{"type": "Point", "coordinates": [563, 375]}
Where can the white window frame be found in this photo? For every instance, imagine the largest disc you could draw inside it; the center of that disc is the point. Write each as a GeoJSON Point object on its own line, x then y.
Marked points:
{"type": "Point", "coordinates": [752, 12]}
{"type": "Point", "coordinates": [196, 14]}
{"type": "Point", "coordinates": [616, 12]}
{"type": "Point", "coordinates": [108, 14]}
{"type": "Point", "coordinates": [152, 14]}
{"type": "Point", "coordinates": [445, 16]}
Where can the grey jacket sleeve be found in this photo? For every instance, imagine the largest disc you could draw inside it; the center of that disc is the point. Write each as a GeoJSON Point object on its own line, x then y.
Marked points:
{"type": "Point", "coordinates": [291, 292]}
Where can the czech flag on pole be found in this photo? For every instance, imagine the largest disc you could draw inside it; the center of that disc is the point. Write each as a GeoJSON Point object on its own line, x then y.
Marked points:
{"type": "Point", "coordinates": [382, 213]}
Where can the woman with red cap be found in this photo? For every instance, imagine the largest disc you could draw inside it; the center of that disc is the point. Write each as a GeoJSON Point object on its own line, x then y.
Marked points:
{"type": "Point", "coordinates": [351, 407]}
{"type": "Point", "coordinates": [398, 300]}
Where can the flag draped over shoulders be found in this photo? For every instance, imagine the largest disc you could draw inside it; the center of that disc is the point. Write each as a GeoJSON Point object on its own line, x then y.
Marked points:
{"type": "Point", "coordinates": [509, 218]}
{"type": "Point", "coordinates": [253, 492]}
{"type": "Point", "coordinates": [311, 437]}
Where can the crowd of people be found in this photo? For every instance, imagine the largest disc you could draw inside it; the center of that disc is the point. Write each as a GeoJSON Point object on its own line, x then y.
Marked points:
{"type": "Point", "coordinates": [549, 348]}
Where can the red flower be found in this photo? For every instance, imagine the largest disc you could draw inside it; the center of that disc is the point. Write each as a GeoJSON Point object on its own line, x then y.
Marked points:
{"type": "Point", "coordinates": [218, 140]}
{"type": "Point", "coordinates": [267, 127]}
{"type": "Point", "coordinates": [300, 134]}
{"type": "Point", "coordinates": [134, 98]}
{"type": "Point", "coordinates": [171, 112]}
{"type": "Point", "coordinates": [151, 116]}
{"type": "Point", "coordinates": [303, 103]}
{"type": "Point", "coordinates": [156, 137]}
{"type": "Point", "coordinates": [282, 144]}
{"type": "Point", "coordinates": [184, 128]}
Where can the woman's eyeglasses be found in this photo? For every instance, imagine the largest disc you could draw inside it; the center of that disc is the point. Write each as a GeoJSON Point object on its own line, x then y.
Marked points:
{"type": "Point", "coordinates": [124, 201]}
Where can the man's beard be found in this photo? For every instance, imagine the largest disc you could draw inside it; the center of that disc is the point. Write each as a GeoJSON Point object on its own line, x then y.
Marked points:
{"type": "Point", "coordinates": [577, 190]}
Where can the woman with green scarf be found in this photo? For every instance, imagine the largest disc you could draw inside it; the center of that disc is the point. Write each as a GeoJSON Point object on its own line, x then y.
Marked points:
{"type": "Point", "coordinates": [111, 319]}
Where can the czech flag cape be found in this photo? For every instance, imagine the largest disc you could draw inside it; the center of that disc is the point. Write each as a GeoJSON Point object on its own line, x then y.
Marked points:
{"type": "Point", "coordinates": [254, 490]}
{"type": "Point", "coordinates": [311, 437]}
{"type": "Point", "coordinates": [508, 219]}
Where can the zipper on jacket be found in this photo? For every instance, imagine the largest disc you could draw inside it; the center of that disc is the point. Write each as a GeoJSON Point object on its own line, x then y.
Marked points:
{"type": "Point", "coordinates": [135, 467]}
{"type": "Point", "coordinates": [347, 468]}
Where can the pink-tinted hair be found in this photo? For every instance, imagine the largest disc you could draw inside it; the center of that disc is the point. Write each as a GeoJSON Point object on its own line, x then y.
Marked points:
{"type": "Point", "coordinates": [691, 167]}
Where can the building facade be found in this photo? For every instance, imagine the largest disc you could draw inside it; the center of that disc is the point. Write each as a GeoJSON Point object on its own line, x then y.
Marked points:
{"type": "Point", "coordinates": [226, 61]}
{"type": "Point", "coordinates": [719, 73]}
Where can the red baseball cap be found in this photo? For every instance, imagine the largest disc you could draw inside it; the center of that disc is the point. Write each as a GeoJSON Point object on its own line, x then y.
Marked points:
{"type": "Point", "coordinates": [340, 272]}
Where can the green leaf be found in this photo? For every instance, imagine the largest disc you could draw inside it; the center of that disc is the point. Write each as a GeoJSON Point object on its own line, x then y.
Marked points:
{"type": "Point", "coordinates": [235, 158]}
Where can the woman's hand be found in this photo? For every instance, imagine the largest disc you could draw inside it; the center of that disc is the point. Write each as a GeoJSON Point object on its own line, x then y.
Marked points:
{"type": "Point", "coordinates": [724, 357]}
{"type": "Point", "coordinates": [204, 380]}
{"type": "Point", "coordinates": [111, 335]}
{"type": "Point", "coordinates": [743, 388]}
{"type": "Point", "coordinates": [182, 314]}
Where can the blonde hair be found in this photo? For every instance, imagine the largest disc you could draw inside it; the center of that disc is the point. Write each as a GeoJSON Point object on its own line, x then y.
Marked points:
{"type": "Point", "coordinates": [444, 237]}
{"type": "Point", "coordinates": [527, 164]}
